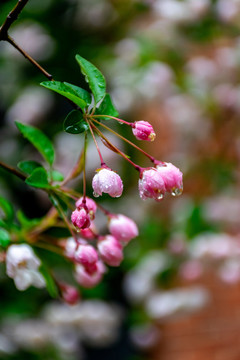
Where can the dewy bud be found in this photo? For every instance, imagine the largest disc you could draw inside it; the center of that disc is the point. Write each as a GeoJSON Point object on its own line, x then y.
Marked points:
{"type": "Point", "coordinates": [172, 177]}
{"type": "Point", "coordinates": [69, 294]}
{"type": "Point", "coordinates": [89, 280]}
{"type": "Point", "coordinates": [90, 204]}
{"type": "Point", "coordinates": [107, 181]}
{"type": "Point", "coordinates": [143, 131]}
{"type": "Point", "coordinates": [110, 250]}
{"type": "Point", "coordinates": [151, 184]}
{"type": "Point", "coordinates": [80, 218]}
{"type": "Point", "coordinates": [122, 228]}
{"type": "Point", "coordinates": [87, 256]}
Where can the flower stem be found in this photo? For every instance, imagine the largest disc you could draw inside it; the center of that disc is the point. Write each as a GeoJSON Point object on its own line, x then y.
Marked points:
{"type": "Point", "coordinates": [128, 141]}
{"type": "Point", "coordinates": [96, 144]}
{"type": "Point", "coordinates": [137, 167]}
{"type": "Point", "coordinates": [115, 118]}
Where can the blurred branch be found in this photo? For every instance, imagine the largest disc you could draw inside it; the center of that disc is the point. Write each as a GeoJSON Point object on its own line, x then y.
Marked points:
{"type": "Point", "coordinates": [12, 16]}
{"type": "Point", "coordinates": [29, 58]}
{"type": "Point", "coordinates": [13, 171]}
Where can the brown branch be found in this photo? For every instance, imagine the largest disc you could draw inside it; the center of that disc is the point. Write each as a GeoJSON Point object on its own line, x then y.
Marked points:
{"type": "Point", "coordinates": [12, 16]}
{"type": "Point", "coordinates": [13, 171]}
{"type": "Point", "coordinates": [29, 58]}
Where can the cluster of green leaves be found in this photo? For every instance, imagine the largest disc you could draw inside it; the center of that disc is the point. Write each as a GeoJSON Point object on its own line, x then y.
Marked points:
{"type": "Point", "coordinates": [97, 101]}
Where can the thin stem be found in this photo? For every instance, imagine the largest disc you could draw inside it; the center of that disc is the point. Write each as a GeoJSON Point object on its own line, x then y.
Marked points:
{"type": "Point", "coordinates": [106, 212]}
{"type": "Point", "coordinates": [12, 16]}
{"type": "Point", "coordinates": [95, 141]}
{"type": "Point", "coordinates": [128, 141]}
{"type": "Point", "coordinates": [115, 118]}
{"type": "Point", "coordinates": [29, 58]}
{"type": "Point", "coordinates": [137, 167]}
{"type": "Point", "coordinates": [84, 169]}
{"type": "Point", "coordinates": [65, 219]}
{"type": "Point", "coordinates": [13, 171]}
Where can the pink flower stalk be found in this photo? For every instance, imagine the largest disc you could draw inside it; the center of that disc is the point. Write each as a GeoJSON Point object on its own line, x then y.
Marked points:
{"type": "Point", "coordinates": [69, 294]}
{"type": "Point", "coordinates": [172, 177]}
{"type": "Point", "coordinates": [107, 181]}
{"type": "Point", "coordinates": [143, 130]}
{"type": "Point", "coordinates": [151, 184]}
{"type": "Point", "coordinates": [122, 228]}
{"type": "Point", "coordinates": [89, 280]}
{"type": "Point", "coordinates": [87, 256]}
{"type": "Point", "coordinates": [89, 205]}
{"type": "Point", "coordinates": [110, 250]}
{"type": "Point", "coordinates": [80, 218]}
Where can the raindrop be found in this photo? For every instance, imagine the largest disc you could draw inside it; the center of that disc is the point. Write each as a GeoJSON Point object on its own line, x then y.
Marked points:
{"type": "Point", "coordinates": [176, 192]}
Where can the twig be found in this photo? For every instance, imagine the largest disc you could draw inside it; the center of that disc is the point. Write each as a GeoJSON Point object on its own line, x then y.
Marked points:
{"type": "Point", "coordinates": [13, 171]}
{"type": "Point", "coordinates": [12, 16]}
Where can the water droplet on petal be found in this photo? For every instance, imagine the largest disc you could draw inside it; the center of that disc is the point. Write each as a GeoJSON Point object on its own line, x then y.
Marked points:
{"type": "Point", "coordinates": [176, 192]}
{"type": "Point", "coordinates": [159, 197]}
{"type": "Point", "coordinates": [95, 195]}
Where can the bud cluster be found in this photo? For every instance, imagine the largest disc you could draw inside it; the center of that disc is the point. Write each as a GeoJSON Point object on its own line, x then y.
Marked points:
{"type": "Point", "coordinates": [90, 259]}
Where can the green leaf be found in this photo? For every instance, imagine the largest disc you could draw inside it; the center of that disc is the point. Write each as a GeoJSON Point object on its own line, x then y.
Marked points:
{"type": "Point", "coordinates": [39, 140]}
{"type": "Point", "coordinates": [81, 93]}
{"type": "Point", "coordinates": [67, 91]}
{"type": "Point", "coordinates": [107, 108]}
{"type": "Point", "coordinates": [56, 175]}
{"type": "Point", "coordinates": [27, 223]}
{"type": "Point", "coordinates": [28, 166]}
{"type": "Point", "coordinates": [38, 178]}
{"type": "Point", "coordinates": [94, 77]}
{"type": "Point", "coordinates": [74, 123]}
{"type": "Point", "coordinates": [7, 208]}
{"type": "Point", "coordinates": [4, 238]}
{"type": "Point", "coordinates": [50, 283]}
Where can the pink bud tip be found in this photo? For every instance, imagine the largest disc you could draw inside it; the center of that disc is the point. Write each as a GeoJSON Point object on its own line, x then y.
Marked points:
{"type": "Point", "coordinates": [151, 185]}
{"type": "Point", "coordinates": [89, 280]}
{"type": "Point", "coordinates": [87, 256]}
{"type": "Point", "coordinates": [110, 250]}
{"type": "Point", "coordinates": [143, 131]}
{"type": "Point", "coordinates": [70, 294]}
{"type": "Point", "coordinates": [107, 181]}
{"type": "Point", "coordinates": [122, 228]}
{"type": "Point", "coordinates": [90, 205]}
{"type": "Point", "coordinates": [80, 218]}
{"type": "Point", "coordinates": [172, 177]}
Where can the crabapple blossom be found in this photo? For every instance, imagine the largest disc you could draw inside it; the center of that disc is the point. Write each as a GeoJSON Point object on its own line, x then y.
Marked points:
{"type": "Point", "coordinates": [23, 267]}
{"type": "Point", "coordinates": [89, 280]}
{"type": "Point", "coordinates": [107, 181]}
{"type": "Point", "coordinates": [89, 204]}
{"type": "Point", "coordinates": [69, 294]}
{"type": "Point", "coordinates": [80, 218]}
{"type": "Point", "coordinates": [122, 228]}
{"type": "Point", "coordinates": [87, 256]}
{"type": "Point", "coordinates": [172, 178]}
{"type": "Point", "coordinates": [110, 250]}
{"type": "Point", "coordinates": [142, 130]}
{"type": "Point", "coordinates": [151, 184]}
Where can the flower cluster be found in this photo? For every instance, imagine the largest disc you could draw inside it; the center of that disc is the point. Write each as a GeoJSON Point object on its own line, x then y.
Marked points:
{"type": "Point", "coordinates": [90, 261]}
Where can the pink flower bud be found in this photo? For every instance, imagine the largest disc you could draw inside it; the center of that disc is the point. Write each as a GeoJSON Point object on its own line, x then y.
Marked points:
{"type": "Point", "coordinates": [151, 184]}
{"type": "Point", "coordinates": [172, 177]}
{"type": "Point", "coordinates": [89, 280]}
{"type": "Point", "coordinates": [69, 294]}
{"type": "Point", "coordinates": [87, 256]}
{"type": "Point", "coordinates": [90, 205]}
{"type": "Point", "coordinates": [110, 250]}
{"type": "Point", "coordinates": [122, 228]}
{"type": "Point", "coordinates": [107, 181]}
{"type": "Point", "coordinates": [143, 131]}
{"type": "Point", "coordinates": [80, 218]}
